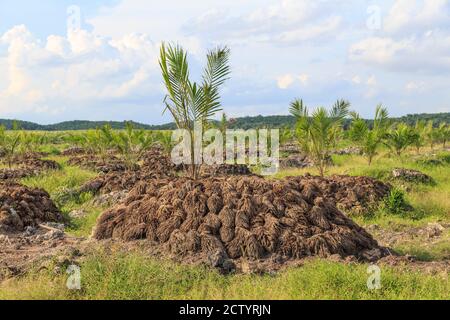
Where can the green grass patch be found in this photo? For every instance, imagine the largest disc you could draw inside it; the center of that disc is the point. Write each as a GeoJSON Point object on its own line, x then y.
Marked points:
{"type": "Point", "coordinates": [134, 276]}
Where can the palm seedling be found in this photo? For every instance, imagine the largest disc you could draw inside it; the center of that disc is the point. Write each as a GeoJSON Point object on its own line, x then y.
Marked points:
{"type": "Point", "coordinates": [432, 135]}
{"type": "Point", "coordinates": [443, 134]}
{"type": "Point", "coordinates": [98, 141]}
{"type": "Point", "coordinates": [164, 139]}
{"type": "Point", "coordinates": [369, 139]}
{"type": "Point", "coordinates": [189, 102]}
{"type": "Point", "coordinates": [400, 138]}
{"type": "Point", "coordinates": [420, 130]}
{"type": "Point", "coordinates": [132, 143]}
{"type": "Point", "coordinates": [317, 132]}
{"type": "Point", "coordinates": [10, 142]}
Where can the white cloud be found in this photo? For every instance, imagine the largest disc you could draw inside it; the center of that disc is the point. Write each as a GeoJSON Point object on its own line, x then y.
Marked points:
{"type": "Point", "coordinates": [287, 80]}
{"type": "Point", "coordinates": [415, 86]}
{"type": "Point", "coordinates": [303, 78]}
{"type": "Point", "coordinates": [320, 49]}
{"type": "Point", "coordinates": [415, 38]}
{"type": "Point", "coordinates": [356, 79]}
{"type": "Point", "coordinates": [310, 32]}
{"type": "Point", "coordinates": [429, 53]}
{"type": "Point", "coordinates": [283, 22]}
{"type": "Point", "coordinates": [79, 67]}
{"type": "Point", "coordinates": [372, 81]}
{"type": "Point", "coordinates": [417, 15]}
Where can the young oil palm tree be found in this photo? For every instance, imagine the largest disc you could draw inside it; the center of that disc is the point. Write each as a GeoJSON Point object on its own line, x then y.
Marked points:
{"type": "Point", "coordinates": [421, 130]}
{"type": "Point", "coordinates": [10, 142]}
{"type": "Point", "coordinates": [400, 138]}
{"type": "Point", "coordinates": [316, 132]}
{"type": "Point", "coordinates": [187, 101]}
{"type": "Point", "coordinates": [431, 134]}
{"type": "Point", "coordinates": [132, 144]}
{"type": "Point", "coordinates": [443, 134]}
{"type": "Point", "coordinates": [369, 139]}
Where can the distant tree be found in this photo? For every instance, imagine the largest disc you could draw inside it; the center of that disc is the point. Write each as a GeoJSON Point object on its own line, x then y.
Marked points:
{"type": "Point", "coordinates": [316, 132]}
{"type": "Point", "coordinates": [369, 139]}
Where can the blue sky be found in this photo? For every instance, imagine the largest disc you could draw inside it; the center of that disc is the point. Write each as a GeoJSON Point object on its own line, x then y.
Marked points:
{"type": "Point", "coordinates": [105, 67]}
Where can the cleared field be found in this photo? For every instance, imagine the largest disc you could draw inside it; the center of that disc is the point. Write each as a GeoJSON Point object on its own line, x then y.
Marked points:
{"type": "Point", "coordinates": [118, 273]}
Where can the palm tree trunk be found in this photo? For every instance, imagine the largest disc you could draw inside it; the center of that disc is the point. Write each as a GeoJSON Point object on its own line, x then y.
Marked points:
{"type": "Point", "coordinates": [193, 165]}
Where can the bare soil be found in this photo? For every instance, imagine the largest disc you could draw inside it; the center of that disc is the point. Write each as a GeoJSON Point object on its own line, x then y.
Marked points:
{"type": "Point", "coordinates": [37, 248]}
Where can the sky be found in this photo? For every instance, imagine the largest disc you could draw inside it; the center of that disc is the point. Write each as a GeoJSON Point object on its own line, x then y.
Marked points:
{"type": "Point", "coordinates": [98, 59]}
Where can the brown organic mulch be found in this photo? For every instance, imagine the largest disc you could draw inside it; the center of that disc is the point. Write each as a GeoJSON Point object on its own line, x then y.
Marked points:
{"type": "Point", "coordinates": [224, 170]}
{"type": "Point", "coordinates": [117, 181]}
{"type": "Point", "coordinates": [21, 207]}
{"type": "Point", "coordinates": [356, 195]}
{"type": "Point", "coordinates": [73, 151]}
{"type": "Point", "coordinates": [227, 219]}
{"type": "Point", "coordinates": [92, 162]}
{"type": "Point", "coordinates": [28, 167]}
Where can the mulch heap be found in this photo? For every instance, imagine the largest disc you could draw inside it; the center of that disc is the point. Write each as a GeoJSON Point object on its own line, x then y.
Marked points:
{"type": "Point", "coordinates": [118, 181]}
{"type": "Point", "coordinates": [413, 176]}
{"type": "Point", "coordinates": [155, 165]}
{"type": "Point", "coordinates": [227, 221]}
{"type": "Point", "coordinates": [296, 161]}
{"type": "Point", "coordinates": [28, 165]}
{"type": "Point", "coordinates": [92, 162]}
{"type": "Point", "coordinates": [21, 207]}
{"type": "Point", "coordinates": [157, 161]}
{"type": "Point", "coordinates": [225, 169]}
{"type": "Point", "coordinates": [353, 195]}
{"type": "Point", "coordinates": [73, 151]}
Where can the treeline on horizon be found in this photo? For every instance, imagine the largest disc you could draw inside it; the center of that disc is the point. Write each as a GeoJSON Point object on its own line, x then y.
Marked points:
{"type": "Point", "coordinates": [236, 123]}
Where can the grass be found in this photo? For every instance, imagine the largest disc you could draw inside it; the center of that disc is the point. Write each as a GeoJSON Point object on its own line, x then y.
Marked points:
{"type": "Point", "coordinates": [82, 227]}
{"type": "Point", "coordinates": [68, 177]}
{"type": "Point", "coordinates": [437, 250]}
{"type": "Point", "coordinates": [60, 184]}
{"type": "Point", "coordinates": [133, 276]}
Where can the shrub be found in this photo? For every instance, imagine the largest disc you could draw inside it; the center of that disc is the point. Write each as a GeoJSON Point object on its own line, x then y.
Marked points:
{"type": "Point", "coordinates": [395, 202]}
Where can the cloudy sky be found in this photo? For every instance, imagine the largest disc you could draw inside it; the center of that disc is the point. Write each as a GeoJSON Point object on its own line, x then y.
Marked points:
{"type": "Point", "coordinates": [98, 60]}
